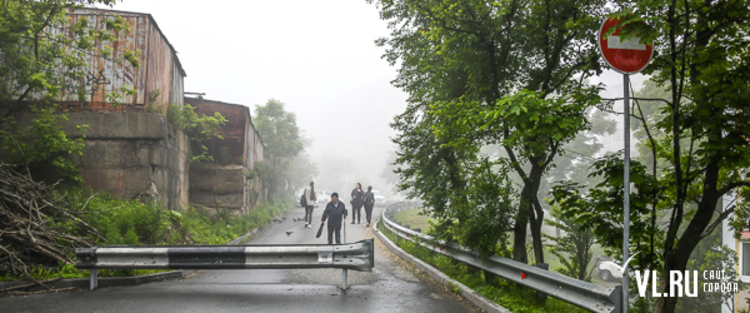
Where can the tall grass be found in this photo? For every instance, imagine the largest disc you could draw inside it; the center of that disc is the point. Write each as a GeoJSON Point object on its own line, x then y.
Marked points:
{"type": "Point", "coordinates": [132, 222]}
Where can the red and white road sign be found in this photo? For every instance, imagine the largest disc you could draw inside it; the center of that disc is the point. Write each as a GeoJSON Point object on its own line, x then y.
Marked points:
{"type": "Point", "coordinates": [625, 56]}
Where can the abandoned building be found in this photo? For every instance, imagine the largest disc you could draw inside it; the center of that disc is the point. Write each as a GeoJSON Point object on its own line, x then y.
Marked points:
{"type": "Point", "coordinates": [224, 183]}
{"type": "Point", "coordinates": [131, 148]}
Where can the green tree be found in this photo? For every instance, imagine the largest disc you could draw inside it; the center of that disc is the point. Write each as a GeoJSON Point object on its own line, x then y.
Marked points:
{"type": "Point", "coordinates": [301, 171]}
{"type": "Point", "coordinates": [283, 143]}
{"type": "Point", "coordinates": [389, 172]}
{"type": "Point", "coordinates": [701, 58]}
{"type": "Point", "coordinates": [40, 49]}
{"type": "Point", "coordinates": [573, 249]}
{"type": "Point", "coordinates": [592, 208]}
{"type": "Point", "coordinates": [491, 72]}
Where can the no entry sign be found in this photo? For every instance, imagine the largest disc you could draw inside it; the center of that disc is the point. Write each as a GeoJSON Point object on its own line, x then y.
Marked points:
{"type": "Point", "coordinates": [625, 56]}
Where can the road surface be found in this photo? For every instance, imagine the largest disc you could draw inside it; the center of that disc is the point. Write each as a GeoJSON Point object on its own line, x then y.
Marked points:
{"type": "Point", "coordinates": [388, 288]}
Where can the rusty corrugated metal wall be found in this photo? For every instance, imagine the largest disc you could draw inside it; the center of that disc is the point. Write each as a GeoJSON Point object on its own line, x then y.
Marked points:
{"type": "Point", "coordinates": [233, 148]}
{"type": "Point", "coordinates": [160, 71]}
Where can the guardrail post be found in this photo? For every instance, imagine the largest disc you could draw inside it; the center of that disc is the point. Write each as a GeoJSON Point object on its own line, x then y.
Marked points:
{"type": "Point", "coordinates": [344, 284]}
{"type": "Point", "coordinates": [540, 296]}
{"type": "Point", "coordinates": [94, 280]}
{"type": "Point", "coordinates": [489, 278]}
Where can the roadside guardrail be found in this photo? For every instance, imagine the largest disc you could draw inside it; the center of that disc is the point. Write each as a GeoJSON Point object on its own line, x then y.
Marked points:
{"type": "Point", "coordinates": [358, 256]}
{"type": "Point", "coordinates": [580, 293]}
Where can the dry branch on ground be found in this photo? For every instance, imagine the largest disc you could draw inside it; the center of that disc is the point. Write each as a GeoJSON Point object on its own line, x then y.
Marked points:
{"type": "Point", "coordinates": [35, 228]}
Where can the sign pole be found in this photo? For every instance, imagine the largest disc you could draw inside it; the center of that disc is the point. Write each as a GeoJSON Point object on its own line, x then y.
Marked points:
{"type": "Point", "coordinates": [627, 56]}
{"type": "Point", "coordinates": [626, 197]}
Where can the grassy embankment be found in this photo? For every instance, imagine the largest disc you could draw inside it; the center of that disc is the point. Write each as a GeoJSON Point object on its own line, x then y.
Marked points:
{"type": "Point", "coordinates": [503, 292]}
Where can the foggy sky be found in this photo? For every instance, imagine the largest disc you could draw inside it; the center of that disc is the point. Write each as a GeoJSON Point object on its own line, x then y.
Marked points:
{"type": "Point", "coordinates": [318, 57]}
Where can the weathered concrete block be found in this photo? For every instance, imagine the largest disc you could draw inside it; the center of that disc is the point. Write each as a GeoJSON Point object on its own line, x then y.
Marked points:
{"type": "Point", "coordinates": [114, 154]}
{"type": "Point", "coordinates": [148, 126]}
{"type": "Point", "coordinates": [206, 198]}
{"type": "Point", "coordinates": [220, 179]}
{"type": "Point", "coordinates": [126, 183]}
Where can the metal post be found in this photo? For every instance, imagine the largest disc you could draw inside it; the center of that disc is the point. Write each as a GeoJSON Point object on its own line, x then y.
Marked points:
{"type": "Point", "coordinates": [94, 281]}
{"type": "Point", "coordinates": [626, 197]}
{"type": "Point", "coordinates": [345, 272]}
{"type": "Point", "coordinates": [343, 285]}
{"type": "Point", "coordinates": [541, 296]}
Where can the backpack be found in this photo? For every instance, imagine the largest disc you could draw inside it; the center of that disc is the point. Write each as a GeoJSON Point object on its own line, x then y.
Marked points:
{"type": "Point", "coordinates": [303, 199]}
{"type": "Point", "coordinates": [369, 198]}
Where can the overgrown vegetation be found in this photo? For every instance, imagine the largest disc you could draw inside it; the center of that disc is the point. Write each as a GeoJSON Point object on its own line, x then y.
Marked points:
{"type": "Point", "coordinates": [503, 292]}
{"type": "Point", "coordinates": [42, 145]}
{"type": "Point", "coordinates": [132, 222]}
{"type": "Point", "coordinates": [199, 128]}
{"type": "Point", "coordinates": [573, 249]}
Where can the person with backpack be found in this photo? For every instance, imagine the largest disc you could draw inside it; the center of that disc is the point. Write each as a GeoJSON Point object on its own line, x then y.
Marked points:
{"type": "Point", "coordinates": [337, 212]}
{"type": "Point", "coordinates": [369, 201]}
{"type": "Point", "coordinates": [357, 203]}
{"type": "Point", "coordinates": [308, 201]}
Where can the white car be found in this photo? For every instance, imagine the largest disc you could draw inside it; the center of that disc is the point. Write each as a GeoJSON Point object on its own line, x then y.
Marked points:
{"type": "Point", "coordinates": [379, 197]}
{"type": "Point", "coordinates": [324, 196]}
{"type": "Point", "coordinates": [609, 270]}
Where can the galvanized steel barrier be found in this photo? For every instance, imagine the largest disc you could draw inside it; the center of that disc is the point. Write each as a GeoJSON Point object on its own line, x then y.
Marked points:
{"type": "Point", "coordinates": [580, 293]}
{"type": "Point", "coordinates": [358, 256]}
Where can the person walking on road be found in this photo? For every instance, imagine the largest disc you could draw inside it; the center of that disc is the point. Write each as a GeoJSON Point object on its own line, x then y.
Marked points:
{"type": "Point", "coordinates": [337, 212]}
{"type": "Point", "coordinates": [310, 198]}
{"type": "Point", "coordinates": [369, 200]}
{"type": "Point", "coordinates": [357, 202]}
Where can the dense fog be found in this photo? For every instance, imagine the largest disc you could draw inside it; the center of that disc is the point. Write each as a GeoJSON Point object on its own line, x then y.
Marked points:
{"type": "Point", "coordinates": [320, 59]}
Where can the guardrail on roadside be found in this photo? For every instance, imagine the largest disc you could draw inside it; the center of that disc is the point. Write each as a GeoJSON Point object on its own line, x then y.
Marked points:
{"type": "Point", "coordinates": [358, 256]}
{"type": "Point", "coordinates": [580, 293]}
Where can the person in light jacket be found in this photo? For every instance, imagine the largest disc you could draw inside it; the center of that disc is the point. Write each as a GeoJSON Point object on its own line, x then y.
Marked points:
{"type": "Point", "coordinates": [337, 212]}
{"type": "Point", "coordinates": [310, 198]}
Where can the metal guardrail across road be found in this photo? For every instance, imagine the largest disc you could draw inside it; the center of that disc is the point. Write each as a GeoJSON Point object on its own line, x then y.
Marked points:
{"type": "Point", "coordinates": [580, 293]}
{"type": "Point", "coordinates": [358, 256]}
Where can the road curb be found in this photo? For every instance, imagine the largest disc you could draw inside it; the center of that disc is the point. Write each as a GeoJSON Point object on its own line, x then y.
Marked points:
{"type": "Point", "coordinates": [481, 302]}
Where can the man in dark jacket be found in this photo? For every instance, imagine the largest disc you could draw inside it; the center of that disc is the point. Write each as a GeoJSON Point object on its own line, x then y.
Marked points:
{"type": "Point", "coordinates": [369, 200]}
{"type": "Point", "coordinates": [337, 211]}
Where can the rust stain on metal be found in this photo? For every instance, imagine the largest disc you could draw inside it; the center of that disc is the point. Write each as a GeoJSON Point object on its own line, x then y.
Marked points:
{"type": "Point", "coordinates": [233, 149]}
{"type": "Point", "coordinates": [160, 71]}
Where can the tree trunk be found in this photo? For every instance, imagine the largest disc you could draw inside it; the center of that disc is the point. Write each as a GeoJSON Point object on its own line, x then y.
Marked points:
{"type": "Point", "coordinates": [536, 237]}
{"type": "Point", "coordinates": [676, 259]}
{"type": "Point", "coordinates": [519, 237]}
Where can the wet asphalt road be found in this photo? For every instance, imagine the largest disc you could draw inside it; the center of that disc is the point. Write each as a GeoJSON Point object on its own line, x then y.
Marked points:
{"type": "Point", "coordinates": [388, 288]}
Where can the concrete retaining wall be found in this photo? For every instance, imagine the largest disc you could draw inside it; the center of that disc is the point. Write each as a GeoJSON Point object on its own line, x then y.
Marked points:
{"type": "Point", "coordinates": [133, 155]}
{"type": "Point", "coordinates": [219, 186]}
